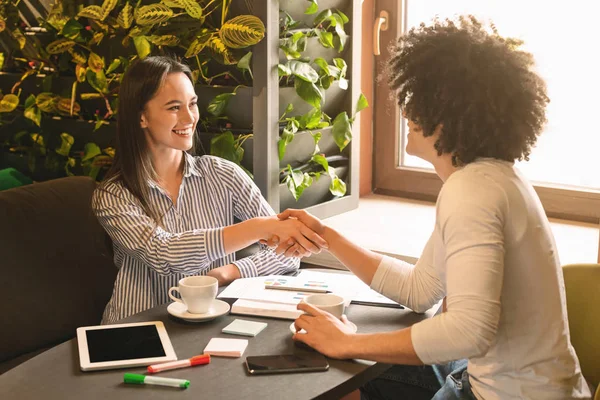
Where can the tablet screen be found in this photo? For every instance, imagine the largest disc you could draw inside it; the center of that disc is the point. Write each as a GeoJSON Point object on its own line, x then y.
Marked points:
{"type": "Point", "coordinates": [126, 343]}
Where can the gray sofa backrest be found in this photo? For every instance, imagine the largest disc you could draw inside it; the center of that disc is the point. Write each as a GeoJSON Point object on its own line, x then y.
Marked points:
{"type": "Point", "coordinates": [56, 267]}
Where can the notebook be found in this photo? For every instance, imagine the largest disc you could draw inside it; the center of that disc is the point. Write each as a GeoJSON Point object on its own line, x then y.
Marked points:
{"type": "Point", "coordinates": [265, 309]}
{"type": "Point", "coordinates": [244, 328]}
{"type": "Point", "coordinates": [226, 347]}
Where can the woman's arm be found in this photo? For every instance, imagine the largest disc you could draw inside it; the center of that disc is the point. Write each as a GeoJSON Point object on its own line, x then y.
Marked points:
{"type": "Point", "coordinates": [248, 205]}
{"type": "Point", "coordinates": [186, 252]}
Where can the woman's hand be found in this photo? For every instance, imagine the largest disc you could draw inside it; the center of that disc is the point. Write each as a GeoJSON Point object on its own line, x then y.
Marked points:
{"type": "Point", "coordinates": [293, 237]}
{"type": "Point", "coordinates": [290, 248]}
{"type": "Point", "coordinates": [324, 332]}
{"type": "Point", "coordinates": [225, 274]}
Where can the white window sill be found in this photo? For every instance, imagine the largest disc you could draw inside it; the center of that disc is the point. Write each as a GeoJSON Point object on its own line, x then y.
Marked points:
{"type": "Point", "coordinates": [401, 227]}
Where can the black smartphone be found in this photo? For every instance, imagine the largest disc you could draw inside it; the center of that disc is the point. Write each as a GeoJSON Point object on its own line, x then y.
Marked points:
{"type": "Point", "coordinates": [276, 364]}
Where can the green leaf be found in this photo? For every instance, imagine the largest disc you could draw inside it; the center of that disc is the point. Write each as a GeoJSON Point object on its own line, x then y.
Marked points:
{"type": "Point", "coordinates": [342, 130]}
{"type": "Point", "coordinates": [97, 80]}
{"type": "Point", "coordinates": [225, 146]}
{"type": "Point", "coordinates": [317, 138]}
{"type": "Point", "coordinates": [113, 65]}
{"type": "Point", "coordinates": [71, 29]}
{"type": "Point", "coordinates": [30, 101]}
{"type": "Point", "coordinates": [283, 70]}
{"type": "Point", "coordinates": [312, 8]}
{"type": "Point", "coordinates": [90, 150]}
{"type": "Point", "coordinates": [337, 187]}
{"type": "Point", "coordinates": [362, 103]}
{"type": "Point", "coordinates": [33, 113]}
{"type": "Point", "coordinates": [245, 62]}
{"type": "Point", "coordinates": [309, 92]}
{"type": "Point", "coordinates": [142, 46]}
{"type": "Point", "coordinates": [297, 181]}
{"type": "Point", "coordinates": [311, 119]}
{"type": "Point", "coordinates": [1, 60]}
{"type": "Point", "coordinates": [339, 29]}
{"type": "Point", "coordinates": [65, 145]}
{"type": "Point", "coordinates": [219, 104]}
{"type": "Point", "coordinates": [343, 16]}
{"type": "Point", "coordinates": [325, 38]}
{"type": "Point", "coordinates": [286, 137]}
{"type": "Point", "coordinates": [323, 15]}
{"type": "Point", "coordinates": [322, 64]}
{"type": "Point", "coordinates": [322, 161]}
{"type": "Point", "coordinates": [303, 71]}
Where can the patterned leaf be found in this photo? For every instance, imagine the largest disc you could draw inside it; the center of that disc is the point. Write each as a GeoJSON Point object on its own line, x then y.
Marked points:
{"type": "Point", "coordinates": [125, 18]}
{"type": "Point", "coordinates": [78, 57]}
{"type": "Point", "coordinates": [46, 101]}
{"type": "Point", "coordinates": [216, 45]}
{"type": "Point", "coordinates": [2, 24]}
{"type": "Point", "coordinates": [9, 103]}
{"type": "Point", "coordinates": [174, 3]}
{"type": "Point", "coordinates": [60, 46]}
{"type": "Point", "coordinates": [92, 12]}
{"type": "Point", "coordinates": [197, 45]}
{"type": "Point", "coordinates": [63, 106]}
{"type": "Point", "coordinates": [95, 62]}
{"type": "Point", "coordinates": [242, 31]}
{"type": "Point", "coordinates": [193, 9]}
{"type": "Point", "coordinates": [164, 40]}
{"type": "Point", "coordinates": [107, 7]}
{"type": "Point", "coordinates": [153, 14]}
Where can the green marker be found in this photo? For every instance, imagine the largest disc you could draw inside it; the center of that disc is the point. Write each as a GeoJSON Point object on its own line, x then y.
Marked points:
{"type": "Point", "coordinates": [155, 380]}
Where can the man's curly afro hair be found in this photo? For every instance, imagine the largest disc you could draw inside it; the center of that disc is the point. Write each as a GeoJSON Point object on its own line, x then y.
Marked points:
{"type": "Point", "coordinates": [475, 83]}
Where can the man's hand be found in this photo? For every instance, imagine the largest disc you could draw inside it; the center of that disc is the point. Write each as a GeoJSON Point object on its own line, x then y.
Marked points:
{"type": "Point", "coordinates": [324, 332]}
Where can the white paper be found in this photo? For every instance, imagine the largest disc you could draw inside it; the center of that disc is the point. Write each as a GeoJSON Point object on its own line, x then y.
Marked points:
{"type": "Point", "coordinates": [226, 347]}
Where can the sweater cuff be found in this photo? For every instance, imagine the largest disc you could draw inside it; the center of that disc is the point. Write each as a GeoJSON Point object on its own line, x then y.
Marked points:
{"type": "Point", "coordinates": [427, 342]}
{"type": "Point", "coordinates": [378, 281]}
{"type": "Point", "coordinates": [214, 243]}
{"type": "Point", "coordinates": [247, 267]}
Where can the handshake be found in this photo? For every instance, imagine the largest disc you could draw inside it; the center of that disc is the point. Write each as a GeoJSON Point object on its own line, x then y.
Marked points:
{"type": "Point", "coordinates": [295, 233]}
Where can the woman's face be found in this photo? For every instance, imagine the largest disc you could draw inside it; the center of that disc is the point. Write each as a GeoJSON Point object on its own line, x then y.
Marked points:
{"type": "Point", "coordinates": [170, 117]}
{"type": "Point", "coordinates": [420, 146]}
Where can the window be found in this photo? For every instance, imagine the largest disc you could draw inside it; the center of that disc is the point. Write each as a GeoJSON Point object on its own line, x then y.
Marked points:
{"type": "Point", "coordinates": [564, 165]}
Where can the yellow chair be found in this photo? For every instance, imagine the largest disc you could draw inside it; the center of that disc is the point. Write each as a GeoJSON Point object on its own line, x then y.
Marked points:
{"type": "Point", "coordinates": [582, 286]}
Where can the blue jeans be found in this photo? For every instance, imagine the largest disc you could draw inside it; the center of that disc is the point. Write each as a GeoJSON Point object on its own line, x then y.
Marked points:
{"type": "Point", "coordinates": [436, 382]}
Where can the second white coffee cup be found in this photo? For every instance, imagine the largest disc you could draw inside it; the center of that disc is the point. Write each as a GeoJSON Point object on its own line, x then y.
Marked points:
{"type": "Point", "coordinates": [332, 303]}
{"type": "Point", "coordinates": [197, 293]}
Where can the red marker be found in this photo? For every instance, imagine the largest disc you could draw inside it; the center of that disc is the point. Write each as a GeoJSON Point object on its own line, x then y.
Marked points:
{"type": "Point", "coordinates": [197, 360]}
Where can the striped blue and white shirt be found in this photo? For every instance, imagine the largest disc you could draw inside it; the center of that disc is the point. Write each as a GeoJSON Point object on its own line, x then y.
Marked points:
{"type": "Point", "coordinates": [190, 242]}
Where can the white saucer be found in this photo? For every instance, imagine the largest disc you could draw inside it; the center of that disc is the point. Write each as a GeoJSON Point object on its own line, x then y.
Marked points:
{"type": "Point", "coordinates": [352, 326]}
{"type": "Point", "coordinates": [217, 308]}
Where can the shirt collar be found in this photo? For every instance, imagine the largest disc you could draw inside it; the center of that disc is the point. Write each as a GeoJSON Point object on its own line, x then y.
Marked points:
{"type": "Point", "coordinates": [189, 168]}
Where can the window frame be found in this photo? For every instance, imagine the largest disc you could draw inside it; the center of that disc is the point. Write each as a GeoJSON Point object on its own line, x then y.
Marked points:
{"type": "Point", "coordinates": [390, 178]}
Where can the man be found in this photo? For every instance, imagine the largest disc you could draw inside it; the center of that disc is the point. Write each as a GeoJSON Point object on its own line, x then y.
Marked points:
{"type": "Point", "coordinates": [474, 107]}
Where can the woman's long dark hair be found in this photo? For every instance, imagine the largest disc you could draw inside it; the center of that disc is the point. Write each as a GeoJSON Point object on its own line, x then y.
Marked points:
{"type": "Point", "coordinates": [132, 164]}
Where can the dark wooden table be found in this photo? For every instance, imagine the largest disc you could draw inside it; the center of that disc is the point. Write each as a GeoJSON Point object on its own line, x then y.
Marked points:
{"type": "Point", "coordinates": [55, 374]}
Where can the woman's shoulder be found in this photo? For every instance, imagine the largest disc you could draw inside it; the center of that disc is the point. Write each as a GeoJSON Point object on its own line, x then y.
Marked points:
{"type": "Point", "coordinates": [213, 165]}
{"type": "Point", "coordinates": [474, 185]}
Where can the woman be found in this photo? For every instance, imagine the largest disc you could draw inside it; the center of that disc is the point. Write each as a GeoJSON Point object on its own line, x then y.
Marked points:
{"type": "Point", "coordinates": [170, 214]}
{"type": "Point", "coordinates": [474, 107]}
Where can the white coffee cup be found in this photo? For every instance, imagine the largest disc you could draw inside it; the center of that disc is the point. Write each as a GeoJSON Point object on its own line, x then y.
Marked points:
{"type": "Point", "coordinates": [332, 303]}
{"type": "Point", "coordinates": [197, 293]}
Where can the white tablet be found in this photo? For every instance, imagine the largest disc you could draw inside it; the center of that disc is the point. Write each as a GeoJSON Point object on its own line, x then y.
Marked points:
{"type": "Point", "coordinates": [123, 345]}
